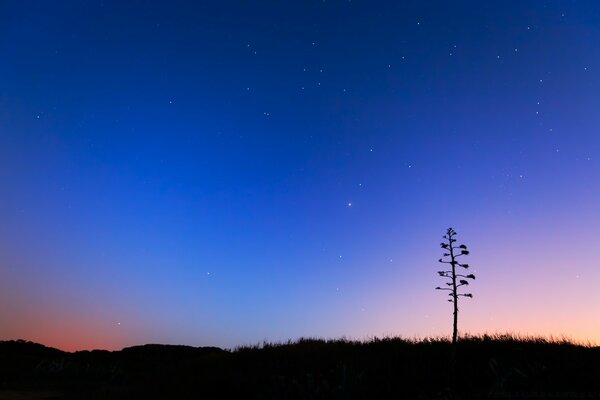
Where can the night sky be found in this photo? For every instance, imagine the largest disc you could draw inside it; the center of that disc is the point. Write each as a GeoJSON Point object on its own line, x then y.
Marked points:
{"type": "Point", "coordinates": [227, 172]}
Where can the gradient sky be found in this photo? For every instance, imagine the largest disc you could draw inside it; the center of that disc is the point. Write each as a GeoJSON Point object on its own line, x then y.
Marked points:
{"type": "Point", "coordinates": [223, 173]}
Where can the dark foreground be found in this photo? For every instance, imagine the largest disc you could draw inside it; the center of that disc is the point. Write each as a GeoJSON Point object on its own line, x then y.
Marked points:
{"type": "Point", "coordinates": [486, 368]}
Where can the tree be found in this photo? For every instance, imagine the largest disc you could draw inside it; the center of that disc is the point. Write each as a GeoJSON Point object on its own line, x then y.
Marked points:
{"type": "Point", "coordinates": [455, 280]}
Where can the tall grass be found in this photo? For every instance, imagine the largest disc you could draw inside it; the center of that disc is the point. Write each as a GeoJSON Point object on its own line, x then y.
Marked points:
{"type": "Point", "coordinates": [388, 367]}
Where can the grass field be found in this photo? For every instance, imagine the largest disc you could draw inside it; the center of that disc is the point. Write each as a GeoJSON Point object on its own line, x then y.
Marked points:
{"type": "Point", "coordinates": [501, 367]}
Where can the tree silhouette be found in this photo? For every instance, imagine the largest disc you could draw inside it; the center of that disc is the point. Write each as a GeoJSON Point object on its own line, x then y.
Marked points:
{"type": "Point", "coordinates": [455, 280]}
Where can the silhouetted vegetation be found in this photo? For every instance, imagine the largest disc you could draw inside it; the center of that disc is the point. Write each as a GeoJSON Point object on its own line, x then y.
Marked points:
{"type": "Point", "coordinates": [391, 368]}
{"type": "Point", "coordinates": [456, 280]}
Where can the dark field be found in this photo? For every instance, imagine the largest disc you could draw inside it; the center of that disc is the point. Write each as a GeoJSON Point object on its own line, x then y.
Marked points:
{"type": "Point", "coordinates": [500, 367]}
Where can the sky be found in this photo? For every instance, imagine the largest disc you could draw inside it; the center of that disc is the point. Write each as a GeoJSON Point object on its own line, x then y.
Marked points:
{"type": "Point", "coordinates": [225, 173]}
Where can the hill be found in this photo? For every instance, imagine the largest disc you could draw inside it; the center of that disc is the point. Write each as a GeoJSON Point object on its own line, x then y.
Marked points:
{"type": "Point", "coordinates": [499, 367]}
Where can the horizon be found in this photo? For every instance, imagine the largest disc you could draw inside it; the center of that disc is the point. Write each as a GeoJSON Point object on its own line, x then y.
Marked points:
{"type": "Point", "coordinates": [218, 174]}
{"type": "Point", "coordinates": [496, 336]}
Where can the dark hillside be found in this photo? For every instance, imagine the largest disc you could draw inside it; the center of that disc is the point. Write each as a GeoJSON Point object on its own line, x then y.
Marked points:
{"type": "Point", "coordinates": [498, 367]}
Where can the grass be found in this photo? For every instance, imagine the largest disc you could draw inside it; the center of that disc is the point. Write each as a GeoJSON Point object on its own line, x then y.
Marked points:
{"type": "Point", "coordinates": [487, 366]}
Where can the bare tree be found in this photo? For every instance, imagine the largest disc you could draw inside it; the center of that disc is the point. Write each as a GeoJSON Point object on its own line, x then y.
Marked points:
{"type": "Point", "coordinates": [455, 280]}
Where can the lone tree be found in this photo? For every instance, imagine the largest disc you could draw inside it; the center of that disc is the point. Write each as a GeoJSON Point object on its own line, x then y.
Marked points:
{"type": "Point", "coordinates": [455, 280]}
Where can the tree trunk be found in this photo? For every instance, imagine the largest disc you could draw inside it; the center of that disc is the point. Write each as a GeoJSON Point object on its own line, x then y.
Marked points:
{"type": "Point", "coordinates": [455, 294]}
{"type": "Point", "coordinates": [455, 329]}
